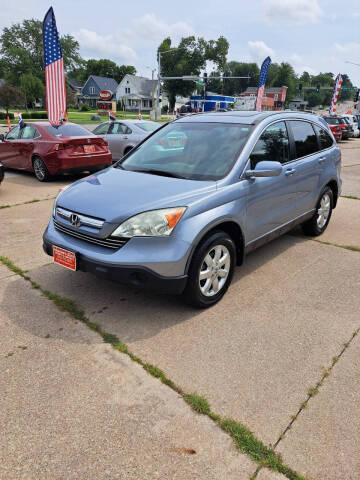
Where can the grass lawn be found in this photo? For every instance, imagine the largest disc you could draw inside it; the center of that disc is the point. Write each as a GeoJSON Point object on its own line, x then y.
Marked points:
{"type": "Point", "coordinates": [76, 116]}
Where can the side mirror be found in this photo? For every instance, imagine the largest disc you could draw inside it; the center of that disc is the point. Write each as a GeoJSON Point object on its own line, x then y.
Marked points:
{"type": "Point", "coordinates": [2, 137]}
{"type": "Point", "coordinates": [265, 169]}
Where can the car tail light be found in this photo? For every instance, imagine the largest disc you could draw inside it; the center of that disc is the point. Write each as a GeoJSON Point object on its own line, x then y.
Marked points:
{"type": "Point", "coordinates": [343, 126]}
{"type": "Point", "coordinates": [56, 147]}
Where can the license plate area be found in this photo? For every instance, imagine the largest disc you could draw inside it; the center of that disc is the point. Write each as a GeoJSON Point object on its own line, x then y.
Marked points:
{"type": "Point", "coordinates": [65, 258]}
{"type": "Point", "coordinates": [89, 149]}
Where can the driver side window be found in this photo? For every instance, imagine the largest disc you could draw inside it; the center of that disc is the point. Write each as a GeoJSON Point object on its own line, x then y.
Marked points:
{"type": "Point", "coordinates": [13, 134]}
{"type": "Point", "coordinates": [272, 146]}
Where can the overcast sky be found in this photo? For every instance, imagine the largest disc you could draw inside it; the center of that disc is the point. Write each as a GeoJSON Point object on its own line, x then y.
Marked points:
{"type": "Point", "coordinates": [313, 35]}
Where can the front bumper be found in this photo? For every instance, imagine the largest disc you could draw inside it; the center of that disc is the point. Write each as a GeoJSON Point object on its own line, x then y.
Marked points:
{"type": "Point", "coordinates": [142, 262]}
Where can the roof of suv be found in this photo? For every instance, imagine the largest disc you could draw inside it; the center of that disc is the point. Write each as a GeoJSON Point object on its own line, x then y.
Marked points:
{"type": "Point", "coordinates": [246, 117]}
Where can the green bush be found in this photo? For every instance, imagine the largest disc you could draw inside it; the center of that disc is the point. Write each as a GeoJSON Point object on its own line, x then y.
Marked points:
{"type": "Point", "coordinates": [85, 108]}
{"type": "Point", "coordinates": [3, 116]}
{"type": "Point", "coordinates": [36, 115]}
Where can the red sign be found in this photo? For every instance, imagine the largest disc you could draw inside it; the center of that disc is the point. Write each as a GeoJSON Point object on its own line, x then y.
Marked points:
{"type": "Point", "coordinates": [106, 94]}
{"type": "Point", "coordinates": [64, 257]}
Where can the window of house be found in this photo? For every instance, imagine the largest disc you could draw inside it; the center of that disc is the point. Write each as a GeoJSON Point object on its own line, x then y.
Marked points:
{"type": "Point", "coordinates": [273, 145]}
{"type": "Point", "coordinates": [127, 89]}
{"type": "Point", "coordinates": [324, 138]}
{"type": "Point", "coordinates": [304, 137]}
{"type": "Point", "coordinates": [92, 90]}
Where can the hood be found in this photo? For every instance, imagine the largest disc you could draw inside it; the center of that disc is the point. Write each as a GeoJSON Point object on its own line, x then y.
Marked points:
{"type": "Point", "coordinates": [115, 195]}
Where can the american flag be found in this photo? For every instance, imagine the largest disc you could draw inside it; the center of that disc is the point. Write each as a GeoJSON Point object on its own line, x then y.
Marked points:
{"type": "Point", "coordinates": [261, 89]}
{"type": "Point", "coordinates": [54, 71]}
{"type": "Point", "coordinates": [112, 117]}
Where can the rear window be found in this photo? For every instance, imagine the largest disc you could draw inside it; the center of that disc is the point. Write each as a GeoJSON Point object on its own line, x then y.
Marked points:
{"type": "Point", "coordinates": [305, 138]}
{"type": "Point", "coordinates": [68, 130]}
{"type": "Point", "coordinates": [332, 121]}
{"type": "Point", "coordinates": [147, 127]}
{"type": "Point", "coordinates": [324, 138]}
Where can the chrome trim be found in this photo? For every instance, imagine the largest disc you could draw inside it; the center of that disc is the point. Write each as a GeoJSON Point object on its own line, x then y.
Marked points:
{"type": "Point", "coordinates": [84, 220]}
{"type": "Point", "coordinates": [109, 242]}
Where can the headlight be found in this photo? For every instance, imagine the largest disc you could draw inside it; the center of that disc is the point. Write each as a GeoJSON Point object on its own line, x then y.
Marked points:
{"type": "Point", "coordinates": [156, 223]}
{"type": "Point", "coordinates": [56, 199]}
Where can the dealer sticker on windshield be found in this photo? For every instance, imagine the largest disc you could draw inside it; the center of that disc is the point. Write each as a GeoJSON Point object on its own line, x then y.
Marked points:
{"type": "Point", "coordinates": [64, 257]}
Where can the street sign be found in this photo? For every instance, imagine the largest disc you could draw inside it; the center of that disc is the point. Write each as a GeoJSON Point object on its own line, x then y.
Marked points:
{"type": "Point", "coordinates": [348, 88]}
{"type": "Point", "coordinates": [199, 83]}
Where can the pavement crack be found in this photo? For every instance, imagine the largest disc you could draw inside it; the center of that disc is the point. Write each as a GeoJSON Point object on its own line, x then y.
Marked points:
{"type": "Point", "coordinates": [36, 200]}
{"type": "Point", "coordinates": [244, 439]}
{"type": "Point", "coordinates": [345, 247]}
{"type": "Point", "coordinates": [315, 389]}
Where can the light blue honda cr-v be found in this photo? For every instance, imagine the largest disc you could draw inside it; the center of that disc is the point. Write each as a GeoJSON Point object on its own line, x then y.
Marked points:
{"type": "Point", "coordinates": [183, 208]}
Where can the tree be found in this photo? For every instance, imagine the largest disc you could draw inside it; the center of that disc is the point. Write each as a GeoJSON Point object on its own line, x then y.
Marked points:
{"type": "Point", "coordinates": [189, 58]}
{"type": "Point", "coordinates": [103, 68]}
{"type": "Point", "coordinates": [33, 88]}
{"type": "Point", "coordinates": [10, 97]}
{"type": "Point", "coordinates": [285, 76]}
{"type": "Point", "coordinates": [21, 49]}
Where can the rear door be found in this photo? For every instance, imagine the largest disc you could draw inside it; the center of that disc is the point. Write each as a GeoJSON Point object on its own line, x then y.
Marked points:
{"type": "Point", "coordinates": [9, 148]}
{"type": "Point", "coordinates": [119, 137]}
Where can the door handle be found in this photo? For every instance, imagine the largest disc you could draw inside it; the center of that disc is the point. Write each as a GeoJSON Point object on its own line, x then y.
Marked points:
{"type": "Point", "coordinates": [290, 171]}
{"type": "Point", "coordinates": [125, 138]}
{"type": "Point", "coordinates": [322, 160]}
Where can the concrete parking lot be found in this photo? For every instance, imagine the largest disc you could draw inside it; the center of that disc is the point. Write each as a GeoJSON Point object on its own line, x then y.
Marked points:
{"type": "Point", "coordinates": [279, 356]}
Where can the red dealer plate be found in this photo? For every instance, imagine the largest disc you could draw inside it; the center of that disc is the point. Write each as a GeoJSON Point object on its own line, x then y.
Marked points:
{"type": "Point", "coordinates": [89, 148]}
{"type": "Point", "coordinates": [64, 257]}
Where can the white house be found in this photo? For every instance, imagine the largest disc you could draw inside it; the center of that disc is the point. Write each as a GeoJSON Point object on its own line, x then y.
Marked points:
{"type": "Point", "coordinates": [136, 92]}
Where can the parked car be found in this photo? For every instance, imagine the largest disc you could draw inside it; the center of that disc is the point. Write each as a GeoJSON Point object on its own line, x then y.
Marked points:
{"type": "Point", "coordinates": [344, 125]}
{"type": "Point", "coordinates": [179, 220]}
{"type": "Point", "coordinates": [124, 135]}
{"type": "Point", "coordinates": [2, 174]}
{"type": "Point", "coordinates": [357, 116]}
{"type": "Point", "coordinates": [48, 150]}
{"type": "Point", "coordinates": [335, 129]}
{"type": "Point", "coordinates": [354, 123]}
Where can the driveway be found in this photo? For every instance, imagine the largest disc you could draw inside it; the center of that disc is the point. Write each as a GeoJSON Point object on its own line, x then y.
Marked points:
{"type": "Point", "coordinates": [279, 356]}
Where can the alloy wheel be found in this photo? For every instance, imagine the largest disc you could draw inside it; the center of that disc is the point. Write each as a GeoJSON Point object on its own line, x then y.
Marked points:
{"type": "Point", "coordinates": [323, 210]}
{"type": "Point", "coordinates": [39, 169]}
{"type": "Point", "coordinates": [214, 270]}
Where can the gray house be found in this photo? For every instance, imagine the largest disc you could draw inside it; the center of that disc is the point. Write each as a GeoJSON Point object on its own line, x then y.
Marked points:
{"type": "Point", "coordinates": [136, 93]}
{"type": "Point", "coordinates": [93, 86]}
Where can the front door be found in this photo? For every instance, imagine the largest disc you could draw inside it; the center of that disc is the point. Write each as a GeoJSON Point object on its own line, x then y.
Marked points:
{"type": "Point", "coordinates": [271, 200]}
{"type": "Point", "coordinates": [9, 148]}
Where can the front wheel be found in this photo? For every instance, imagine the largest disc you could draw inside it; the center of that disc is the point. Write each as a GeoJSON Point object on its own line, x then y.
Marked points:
{"type": "Point", "coordinates": [40, 170]}
{"type": "Point", "coordinates": [320, 220]}
{"type": "Point", "coordinates": [211, 270]}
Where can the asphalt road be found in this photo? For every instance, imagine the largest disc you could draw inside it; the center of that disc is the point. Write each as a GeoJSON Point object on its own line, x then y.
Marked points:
{"type": "Point", "coordinates": [73, 407]}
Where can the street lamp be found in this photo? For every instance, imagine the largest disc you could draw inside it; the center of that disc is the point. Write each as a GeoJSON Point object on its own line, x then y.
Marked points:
{"type": "Point", "coordinates": [153, 70]}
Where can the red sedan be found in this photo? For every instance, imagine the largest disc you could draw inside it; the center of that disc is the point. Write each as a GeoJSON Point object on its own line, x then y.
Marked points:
{"type": "Point", "coordinates": [48, 150]}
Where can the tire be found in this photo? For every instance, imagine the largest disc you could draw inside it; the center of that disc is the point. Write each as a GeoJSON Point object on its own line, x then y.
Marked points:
{"type": "Point", "coordinates": [320, 220]}
{"type": "Point", "coordinates": [40, 170]}
{"type": "Point", "coordinates": [205, 292]}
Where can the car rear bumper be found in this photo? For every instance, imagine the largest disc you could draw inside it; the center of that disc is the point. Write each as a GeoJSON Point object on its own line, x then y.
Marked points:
{"type": "Point", "coordinates": [57, 164]}
{"type": "Point", "coordinates": [86, 168]}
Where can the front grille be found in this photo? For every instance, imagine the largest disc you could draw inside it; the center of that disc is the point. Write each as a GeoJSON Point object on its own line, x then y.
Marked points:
{"type": "Point", "coordinates": [109, 242]}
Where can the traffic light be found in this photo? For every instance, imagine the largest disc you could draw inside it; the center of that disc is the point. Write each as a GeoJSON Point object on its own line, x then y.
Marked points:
{"type": "Point", "coordinates": [356, 98]}
{"type": "Point", "coordinates": [317, 88]}
{"type": "Point", "coordinates": [300, 87]}
{"type": "Point", "coordinates": [205, 80]}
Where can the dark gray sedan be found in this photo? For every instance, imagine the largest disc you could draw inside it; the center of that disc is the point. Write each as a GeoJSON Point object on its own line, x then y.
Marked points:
{"type": "Point", "coordinates": [123, 135]}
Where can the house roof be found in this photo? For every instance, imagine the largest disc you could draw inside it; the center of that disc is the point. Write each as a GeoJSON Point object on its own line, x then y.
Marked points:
{"type": "Point", "coordinates": [104, 83]}
{"type": "Point", "coordinates": [74, 83]}
{"type": "Point", "coordinates": [143, 85]}
{"type": "Point", "coordinates": [267, 89]}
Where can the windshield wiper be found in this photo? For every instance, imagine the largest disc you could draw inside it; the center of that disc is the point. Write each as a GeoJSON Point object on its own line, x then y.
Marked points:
{"type": "Point", "coordinates": [164, 173]}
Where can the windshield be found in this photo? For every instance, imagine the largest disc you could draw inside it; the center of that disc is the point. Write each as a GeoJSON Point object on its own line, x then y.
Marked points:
{"type": "Point", "coordinates": [148, 127]}
{"type": "Point", "coordinates": [68, 130]}
{"type": "Point", "coordinates": [196, 151]}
